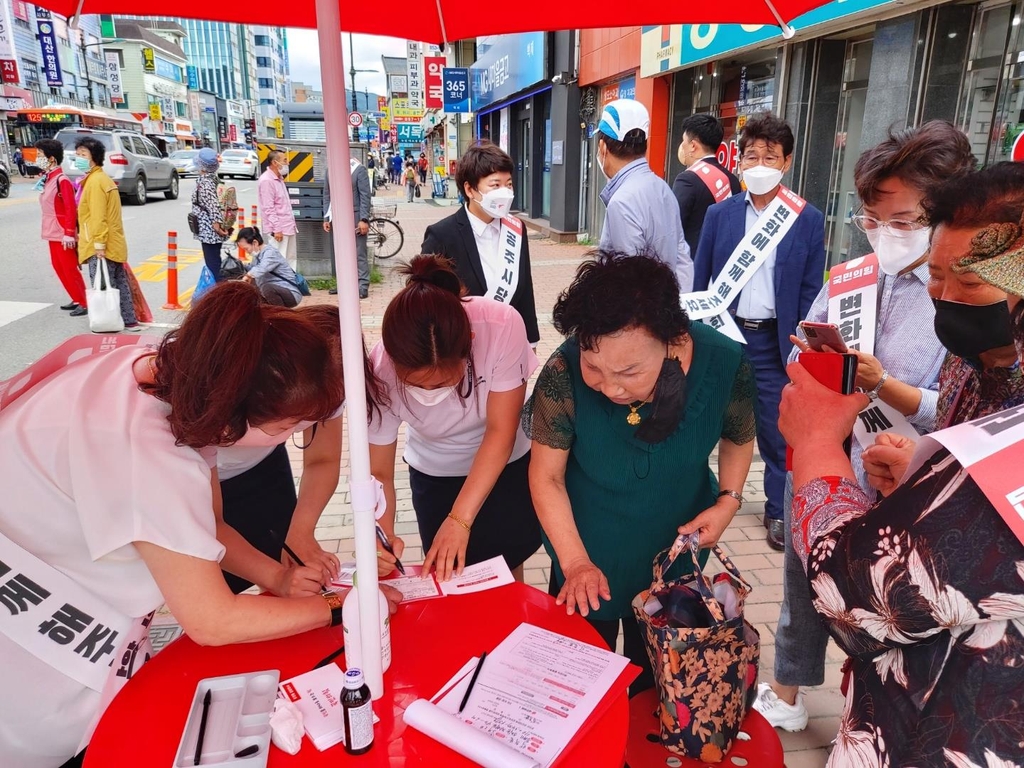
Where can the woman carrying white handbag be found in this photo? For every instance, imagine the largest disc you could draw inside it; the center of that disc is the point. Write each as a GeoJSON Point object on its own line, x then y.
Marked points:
{"type": "Point", "coordinates": [102, 244]}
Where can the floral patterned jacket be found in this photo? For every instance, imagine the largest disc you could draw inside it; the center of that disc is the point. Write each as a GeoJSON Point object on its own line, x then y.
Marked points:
{"type": "Point", "coordinates": [925, 592]}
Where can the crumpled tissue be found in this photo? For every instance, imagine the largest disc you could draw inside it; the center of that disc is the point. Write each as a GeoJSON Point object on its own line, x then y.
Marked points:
{"type": "Point", "coordinates": [286, 726]}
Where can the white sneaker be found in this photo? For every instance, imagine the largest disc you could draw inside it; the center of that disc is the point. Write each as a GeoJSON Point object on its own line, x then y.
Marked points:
{"type": "Point", "coordinates": [788, 717]}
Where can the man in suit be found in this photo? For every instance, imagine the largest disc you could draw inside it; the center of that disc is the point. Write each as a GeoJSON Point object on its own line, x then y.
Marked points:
{"type": "Point", "coordinates": [704, 181]}
{"type": "Point", "coordinates": [473, 238]}
{"type": "Point", "coordinates": [780, 291]}
{"type": "Point", "coordinates": [361, 214]}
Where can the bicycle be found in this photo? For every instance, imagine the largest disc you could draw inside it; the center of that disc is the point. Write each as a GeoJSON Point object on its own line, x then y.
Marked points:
{"type": "Point", "coordinates": [385, 237]}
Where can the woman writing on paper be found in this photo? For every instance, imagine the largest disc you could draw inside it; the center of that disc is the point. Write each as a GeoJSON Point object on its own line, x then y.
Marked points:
{"type": "Point", "coordinates": [112, 500]}
{"type": "Point", "coordinates": [257, 483]}
{"type": "Point", "coordinates": [624, 418]}
{"type": "Point", "coordinates": [455, 370]}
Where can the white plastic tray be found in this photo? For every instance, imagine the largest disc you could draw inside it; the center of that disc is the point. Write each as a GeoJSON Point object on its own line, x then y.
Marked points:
{"type": "Point", "coordinates": [239, 717]}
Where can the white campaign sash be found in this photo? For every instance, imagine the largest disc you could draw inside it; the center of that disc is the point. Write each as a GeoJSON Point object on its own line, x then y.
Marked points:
{"type": "Point", "coordinates": [750, 254]}
{"type": "Point", "coordinates": [991, 449]}
{"type": "Point", "coordinates": [510, 247]}
{"type": "Point", "coordinates": [853, 306]}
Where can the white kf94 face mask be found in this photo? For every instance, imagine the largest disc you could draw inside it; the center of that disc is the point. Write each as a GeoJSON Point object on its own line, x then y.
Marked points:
{"type": "Point", "coordinates": [761, 179]}
{"type": "Point", "coordinates": [497, 202]}
{"type": "Point", "coordinates": [897, 253]}
{"type": "Point", "coordinates": [429, 397]}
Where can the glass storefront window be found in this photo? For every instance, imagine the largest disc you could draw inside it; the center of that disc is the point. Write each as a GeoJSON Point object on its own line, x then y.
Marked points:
{"type": "Point", "coordinates": [991, 113]}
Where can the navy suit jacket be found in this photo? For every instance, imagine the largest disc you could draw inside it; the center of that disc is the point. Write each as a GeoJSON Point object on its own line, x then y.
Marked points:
{"type": "Point", "coordinates": [799, 260]}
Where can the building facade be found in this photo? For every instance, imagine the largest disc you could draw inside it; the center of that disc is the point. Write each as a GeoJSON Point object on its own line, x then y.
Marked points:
{"type": "Point", "coordinates": [270, 53]}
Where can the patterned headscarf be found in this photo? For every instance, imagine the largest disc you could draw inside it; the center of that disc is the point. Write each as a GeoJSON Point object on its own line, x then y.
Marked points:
{"type": "Point", "coordinates": [997, 256]}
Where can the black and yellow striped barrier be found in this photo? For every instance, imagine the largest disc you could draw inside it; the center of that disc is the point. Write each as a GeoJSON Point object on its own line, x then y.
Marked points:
{"type": "Point", "coordinates": [300, 162]}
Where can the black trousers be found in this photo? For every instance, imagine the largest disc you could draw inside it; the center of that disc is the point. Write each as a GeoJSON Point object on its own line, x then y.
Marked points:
{"type": "Point", "coordinates": [633, 646]}
{"type": "Point", "coordinates": [259, 505]}
{"type": "Point", "coordinates": [211, 257]}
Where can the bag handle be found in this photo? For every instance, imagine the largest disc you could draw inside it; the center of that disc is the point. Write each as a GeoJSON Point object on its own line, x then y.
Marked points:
{"type": "Point", "coordinates": [663, 562]}
{"type": "Point", "coordinates": [101, 272]}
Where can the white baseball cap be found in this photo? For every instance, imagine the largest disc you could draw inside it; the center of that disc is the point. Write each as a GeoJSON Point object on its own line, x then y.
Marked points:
{"type": "Point", "coordinates": [622, 116]}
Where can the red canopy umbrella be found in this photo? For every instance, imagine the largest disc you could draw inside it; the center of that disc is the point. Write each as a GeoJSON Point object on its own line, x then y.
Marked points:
{"type": "Point", "coordinates": [438, 21]}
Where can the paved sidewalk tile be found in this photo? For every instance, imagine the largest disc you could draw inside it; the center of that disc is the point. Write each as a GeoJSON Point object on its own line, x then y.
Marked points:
{"type": "Point", "coordinates": [553, 267]}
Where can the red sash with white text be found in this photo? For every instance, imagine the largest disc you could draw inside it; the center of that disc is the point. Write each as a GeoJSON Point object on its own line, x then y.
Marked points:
{"type": "Point", "coordinates": [714, 178]}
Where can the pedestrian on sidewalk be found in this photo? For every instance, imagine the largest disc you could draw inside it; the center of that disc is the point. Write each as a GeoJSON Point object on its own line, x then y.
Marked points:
{"type": "Point", "coordinates": [487, 245]}
{"type": "Point", "coordinates": [206, 208]}
{"type": "Point", "coordinates": [410, 181]}
{"type": "Point", "coordinates": [624, 417]}
{"type": "Point", "coordinates": [454, 371]}
{"type": "Point", "coordinates": [779, 293]}
{"type": "Point", "coordinates": [396, 168]}
{"type": "Point", "coordinates": [642, 215]}
{"type": "Point", "coordinates": [19, 162]}
{"type": "Point", "coordinates": [422, 166]}
{"type": "Point", "coordinates": [60, 224]}
{"type": "Point", "coordinates": [276, 206]}
{"type": "Point", "coordinates": [100, 227]}
{"type": "Point", "coordinates": [892, 181]}
{"type": "Point", "coordinates": [361, 202]}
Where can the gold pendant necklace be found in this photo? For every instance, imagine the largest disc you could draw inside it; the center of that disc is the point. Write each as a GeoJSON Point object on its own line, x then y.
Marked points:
{"type": "Point", "coordinates": [634, 418]}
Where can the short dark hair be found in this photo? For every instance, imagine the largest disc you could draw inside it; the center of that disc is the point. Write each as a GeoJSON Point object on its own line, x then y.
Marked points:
{"type": "Point", "coordinates": [612, 292]}
{"type": "Point", "coordinates": [273, 154]}
{"type": "Point", "coordinates": [767, 127]}
{"type": "Point", "coordinates": [480, 161]}
{"type": "Point", "coordinates": [51, 148]}
{"type": "Point", "coordinates": [921, 157]}
{"type": "Point", "coordinates": [705, 129]}
{"type": "Point", "coordinates": [991, 196]}
{"type": "Point", "coordinates": [96, 149]}
{"type": "Point", "coordinates": [630, 148]}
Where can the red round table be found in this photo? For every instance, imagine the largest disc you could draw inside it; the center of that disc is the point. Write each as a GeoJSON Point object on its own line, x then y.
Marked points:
{"type": "Point", "coordinates": [430, 641]}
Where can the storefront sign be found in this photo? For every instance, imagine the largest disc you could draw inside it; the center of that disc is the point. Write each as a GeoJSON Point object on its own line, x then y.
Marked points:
{"type": "Point", "coordinates": [506, 64]}
{"type": "Point", "coordinates": [48, 47]}
{"type": "Point", "coordinates": [456, 90]}
{"type": "Point", "coordinates": [114, 77]}
{"type": "Point", "coordinates": [670, 47]}
{"type": "Point", "coordinates": [414, 69]}
{"type": "Point", "coordinates": [155, 113]}
{"type": "Point", "coordinates": [433, 69]}
{"type": "Point", "coordinates": [382, 103]}
{"type": "Point", "coordinates": [398, 114]}
{"type": "Point", "coordinates": [503, 130]}
{"type": "Point", "coordinates": [399, 87]}
{"type": "Point", "coordinates": [624, 89]}
{"type": "Point", "coordinates": [148, 60]}
{"type": "Point", "coordinates": [166, 69]}
{"type": "Point", "coordinates": [407, 133]}
{"type": "Point", "coordinates": [8, 57]}
{"type": "Point", "coordinates": [20, 10]}
{"type": "Point", "coordinates": [193, 77]}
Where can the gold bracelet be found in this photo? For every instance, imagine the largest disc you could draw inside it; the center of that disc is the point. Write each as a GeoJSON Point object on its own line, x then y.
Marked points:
{"type": "Point", "coordinates": [463, 523]}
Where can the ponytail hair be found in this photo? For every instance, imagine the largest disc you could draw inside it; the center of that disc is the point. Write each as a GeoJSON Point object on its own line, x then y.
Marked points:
{"type": "Point", "coordinates": [251, 235]}
{"type": "Point", "coordinates": [237, 361]}
{"type": "Point", "coordinates": [426, 326]}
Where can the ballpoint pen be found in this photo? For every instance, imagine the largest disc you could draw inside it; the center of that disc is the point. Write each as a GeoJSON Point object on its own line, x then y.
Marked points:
{"type": "Point", "coordinates": [383, 537]}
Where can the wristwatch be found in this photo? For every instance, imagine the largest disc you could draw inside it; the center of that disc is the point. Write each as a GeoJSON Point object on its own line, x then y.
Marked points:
{"type": "Point", "coordinates": [335, 602]}
{"type": "Point", "coordinates": [732, 495]}
{"type": "Point", "coordinates": [873, 394]}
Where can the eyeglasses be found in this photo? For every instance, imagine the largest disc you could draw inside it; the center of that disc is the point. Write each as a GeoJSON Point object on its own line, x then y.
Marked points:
{"type": "Point", "coordinates": [893, 227]}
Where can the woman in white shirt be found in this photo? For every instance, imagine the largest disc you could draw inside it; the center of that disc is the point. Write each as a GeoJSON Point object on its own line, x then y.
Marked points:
{"type": "Point", "coordinates": [454, 370]}
{"type": "Point", "coordinates": [257, 483]}
{"type": "Point", "coordinates": [111, 496]}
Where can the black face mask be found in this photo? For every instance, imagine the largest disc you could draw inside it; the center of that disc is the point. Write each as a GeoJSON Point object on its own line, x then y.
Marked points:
{"type": "Point", "coordinates": [968, 330]}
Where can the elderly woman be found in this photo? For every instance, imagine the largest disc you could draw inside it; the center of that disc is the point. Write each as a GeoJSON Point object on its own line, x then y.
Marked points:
{"type": "Point", "coordinates": [924, 590]}
{"type": "Point", "coordinates": [100, 228]}
{"type": "Point", "coordinates": [206, 208]}
{"type": "Point", "coordinates": [624, 417]}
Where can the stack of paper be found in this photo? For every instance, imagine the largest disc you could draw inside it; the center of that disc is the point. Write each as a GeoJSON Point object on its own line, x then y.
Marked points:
{"type": "Point", "coordinates": [317, 695]}
{"type": "Point", "coordinates": [416, 586]}
{"type": "Point", "coordinates": [535, 691]}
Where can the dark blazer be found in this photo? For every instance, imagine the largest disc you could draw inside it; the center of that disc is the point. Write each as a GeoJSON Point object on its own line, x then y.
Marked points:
{"type": "Point", "coordinates": [360, 194]}
{"type": "Point", "coordinates": [453, 237]}
{"type": "Point", "coordinates": [695, 198]}
{"type": "Point", "coordinates": [799, 260]}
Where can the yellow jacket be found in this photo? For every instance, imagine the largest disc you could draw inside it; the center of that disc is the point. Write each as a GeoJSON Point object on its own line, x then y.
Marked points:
{"type": "Point", "coordinates": [99, 219]}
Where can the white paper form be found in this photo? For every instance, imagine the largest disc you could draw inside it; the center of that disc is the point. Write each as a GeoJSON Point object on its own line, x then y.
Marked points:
{"type": "Point", "coordinates": [536, 690]}
{"type": "Point", "coordinates": [475, 578]}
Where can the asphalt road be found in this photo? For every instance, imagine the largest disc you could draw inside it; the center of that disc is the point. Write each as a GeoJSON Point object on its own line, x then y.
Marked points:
{"type": "Point", "coordinates": [31, 321]}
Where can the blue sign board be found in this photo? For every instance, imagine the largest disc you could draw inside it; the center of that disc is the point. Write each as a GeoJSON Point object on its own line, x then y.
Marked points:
{"type": "Point", "coordinates": [164, 68]}
{"type": "Point", "coordinates": [409, 133]}
{"type": "Point", "coordinates": [193, 78]}
{"type": "Point", "coordinates": [507, 64]}
{"type": "Point", "coordinates": [456, 90]}
{"type": "Point", "coordinates": [48, 47]}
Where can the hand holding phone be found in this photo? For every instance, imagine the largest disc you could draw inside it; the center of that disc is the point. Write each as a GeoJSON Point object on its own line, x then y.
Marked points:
{"type": "Point", "coordinates": [821, 335]}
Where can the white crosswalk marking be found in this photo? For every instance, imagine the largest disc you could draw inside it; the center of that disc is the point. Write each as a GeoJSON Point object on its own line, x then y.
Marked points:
{"type": "Point", "coordinates": [15, 310]}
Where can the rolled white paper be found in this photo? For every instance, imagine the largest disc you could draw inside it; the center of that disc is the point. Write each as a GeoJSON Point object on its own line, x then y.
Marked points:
{"type": "Point", "coordinates": [463, 738]}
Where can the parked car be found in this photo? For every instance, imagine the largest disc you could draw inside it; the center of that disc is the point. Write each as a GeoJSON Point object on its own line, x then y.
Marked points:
{"type": "Point", "coordinates": [239, 162]}
{"type": "Point", "coordinates": [5, 179]}
{"type": "Point", "coordinates": [132, 161]}
{"type": "Point", "coordinates": [184, 162]}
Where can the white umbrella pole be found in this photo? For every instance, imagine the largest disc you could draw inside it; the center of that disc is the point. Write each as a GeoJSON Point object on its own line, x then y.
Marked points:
{"type": "Point", "coordinates": [361, 485]}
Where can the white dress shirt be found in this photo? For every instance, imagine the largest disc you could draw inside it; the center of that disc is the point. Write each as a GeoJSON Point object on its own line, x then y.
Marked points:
{"type": "Point", "coordinates": [757, 299]}
{"type": "Point", "coordinates": [488, 242]}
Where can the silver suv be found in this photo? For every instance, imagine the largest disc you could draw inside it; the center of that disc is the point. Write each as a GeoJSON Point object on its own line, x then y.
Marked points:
{"type": "Point", "coordinates": [132, 161]}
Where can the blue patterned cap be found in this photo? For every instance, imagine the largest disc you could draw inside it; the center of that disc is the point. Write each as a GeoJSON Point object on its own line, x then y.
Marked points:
{"type": "Point", "coordinates": [622, 116]}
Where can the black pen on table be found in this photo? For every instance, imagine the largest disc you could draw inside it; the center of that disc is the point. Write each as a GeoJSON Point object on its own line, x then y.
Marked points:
{"type": "Point", "coordinates": [202, 726]}
{"type": "Point", "coordinates": [472, 682]}
{"type": "Point", "coordinates": [296, 558]}
{"type": "Point", "coordinates": [383, 537]}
